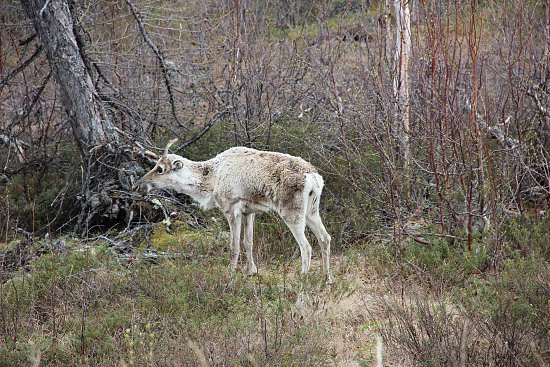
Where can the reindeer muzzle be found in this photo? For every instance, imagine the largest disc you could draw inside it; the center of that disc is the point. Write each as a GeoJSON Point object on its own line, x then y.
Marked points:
{"type": "Point", "coordinates": [143, 187]}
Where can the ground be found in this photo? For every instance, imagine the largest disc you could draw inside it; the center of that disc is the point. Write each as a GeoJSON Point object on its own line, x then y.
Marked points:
{"type": "Point", "coordinates": [88, 304]}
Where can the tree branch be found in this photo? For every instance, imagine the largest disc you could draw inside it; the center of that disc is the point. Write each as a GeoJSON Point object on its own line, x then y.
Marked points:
{"type": "Point", "coordinates": [9, 140]}
{"type": "Point", "coordinates": [496, 131]}
{"type": "Point", "coordinates": [27, 39]}
{"type": "Point", "coordinates": [36, 96]}
{"type": "Point", "coordinates": [535, 96]}
{"type": "Point", "coordinates": [159, 55]}
{"type": "Point", "coordinates": [21, 67]}
{"type": "Point", "coordinates": [203, 131]}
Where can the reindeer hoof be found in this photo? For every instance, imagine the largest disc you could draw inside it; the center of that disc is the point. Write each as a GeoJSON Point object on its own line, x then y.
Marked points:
{"type": "Point", "coordinates": [252, 270]}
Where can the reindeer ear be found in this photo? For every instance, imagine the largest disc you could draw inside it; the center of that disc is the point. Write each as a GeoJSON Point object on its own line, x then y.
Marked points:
{"type": "Point", "coordinates": [177, 165]}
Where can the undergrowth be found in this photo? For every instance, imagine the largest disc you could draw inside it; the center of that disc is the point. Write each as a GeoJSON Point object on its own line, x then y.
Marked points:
{"type": "Point", "coordinates": [461, 307]}
{"type": "Point", "coordinates": [84, 306]}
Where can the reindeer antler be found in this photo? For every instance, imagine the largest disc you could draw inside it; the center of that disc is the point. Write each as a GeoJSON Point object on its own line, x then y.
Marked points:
{"type": "Point", "coordinates": [170, 143]}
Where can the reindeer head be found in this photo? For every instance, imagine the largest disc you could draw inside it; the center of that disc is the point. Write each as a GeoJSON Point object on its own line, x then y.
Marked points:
{"type": "Point", "coordinates": [168, 173]}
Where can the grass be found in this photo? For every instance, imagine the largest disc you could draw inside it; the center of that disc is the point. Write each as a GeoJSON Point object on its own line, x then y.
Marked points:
{"type": "Point", "coordinates": [82, 306]}
{"type": "Point", "coordinates": [435, 304]}
{"type": "Point", "coordinates": [459, 306]}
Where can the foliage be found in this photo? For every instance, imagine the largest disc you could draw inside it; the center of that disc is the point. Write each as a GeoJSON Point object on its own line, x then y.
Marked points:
{"type": "Point", "coordinates": [38, 201]}
{"type": "Point", "coordinates": [527, 234]}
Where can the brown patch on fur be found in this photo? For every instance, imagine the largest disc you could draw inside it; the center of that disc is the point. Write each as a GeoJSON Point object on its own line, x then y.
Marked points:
{"type": "Point", "coordinates": [290, 174]}
{"type": "Point", "coordinates": [288, 163]}
{"type": "Point", "coordinates": [257, 199]}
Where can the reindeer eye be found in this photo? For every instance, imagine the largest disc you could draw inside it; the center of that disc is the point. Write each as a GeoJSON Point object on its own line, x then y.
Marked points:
{"type": "Point", "coordinates": [178, 164]}
{"type": "Point", "coordinates": [160, 170]}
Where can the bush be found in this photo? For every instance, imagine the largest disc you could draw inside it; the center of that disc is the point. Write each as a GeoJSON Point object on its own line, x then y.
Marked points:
{"type": "Point", "coordinates": [40, 201]}
{"type": "Point", "coordinates": [494, 316]}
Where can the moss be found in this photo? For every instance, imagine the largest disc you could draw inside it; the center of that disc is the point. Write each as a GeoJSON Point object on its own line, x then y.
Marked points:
{"type": "Point", "coordinates": [183, 238]}
{"type": "Point", "coordinates": [162, 240]}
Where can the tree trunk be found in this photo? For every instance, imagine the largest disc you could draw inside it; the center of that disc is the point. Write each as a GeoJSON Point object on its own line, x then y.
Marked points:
{"type": "Point", "coordinates": [387, 23]}
{"type": "Point", "coordinates": [55, 24]}
{"type": "Point", "coordinates": [401, 82]}
{"type": "Point", "coordinates": [59, 30]}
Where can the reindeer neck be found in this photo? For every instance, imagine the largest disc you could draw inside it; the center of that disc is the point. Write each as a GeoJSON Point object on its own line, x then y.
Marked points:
{"type": "Point", "coordinates": [201, 191]}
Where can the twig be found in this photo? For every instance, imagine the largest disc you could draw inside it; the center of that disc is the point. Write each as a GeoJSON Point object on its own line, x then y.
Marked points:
{"type": "Point", "coordinates": [418, 237]}
{"type": "Point", "coordinates": [379, 359]}
{"type": "Point", "coordinates": [18, 69]}
{"type": "Point", "coordinates": [203, 131]}
{"type": "Point", "coordinates": [28, 39]}
{"type": "Point", "coordinates": [158, 54]}
{"type": "Point", "coordinates": [7, 140]}
{"type": "Point", "coordinates": [36, 96]}
{"type": "Point", "coordinates": [421, 240]}
{"type": "Point", "coordinates": [44, 8]}
{"type": "Point", "coordinates": [535, 96]}
{"type": "Point", "coordinates": [497, 131]}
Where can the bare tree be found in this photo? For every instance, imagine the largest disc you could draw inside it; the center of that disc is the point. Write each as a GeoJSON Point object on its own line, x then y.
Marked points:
{"type": "Point", "coordinates": [57, 27]}
{"type": "Point", "coordinates": [401, 79]}
{"type": "Point", "coordinates": [460, 127]}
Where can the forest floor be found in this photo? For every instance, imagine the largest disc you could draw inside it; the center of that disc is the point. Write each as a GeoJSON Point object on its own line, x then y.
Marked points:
{"type": "Point", "coordinates": [87, 304]}
{"type": "Point", "coordinates": [154, 298]}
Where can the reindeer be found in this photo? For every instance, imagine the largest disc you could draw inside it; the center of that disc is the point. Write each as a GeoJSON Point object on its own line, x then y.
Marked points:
{"type": "Point", "coordinates": [243, 182]}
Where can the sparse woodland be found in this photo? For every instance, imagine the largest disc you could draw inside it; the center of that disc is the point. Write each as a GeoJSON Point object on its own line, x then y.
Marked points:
{"type": "Point", "coordinates": [429, 121]}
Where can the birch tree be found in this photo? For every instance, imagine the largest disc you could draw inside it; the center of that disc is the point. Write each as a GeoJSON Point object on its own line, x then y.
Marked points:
{"type": "Point", "coordinates": [401, 79]}
{"type": "Point", "coordinates": [60, 32]}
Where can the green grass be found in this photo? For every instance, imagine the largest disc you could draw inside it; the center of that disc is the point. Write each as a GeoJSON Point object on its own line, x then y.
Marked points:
{"type": "Point", "coordinates": [82, 306]}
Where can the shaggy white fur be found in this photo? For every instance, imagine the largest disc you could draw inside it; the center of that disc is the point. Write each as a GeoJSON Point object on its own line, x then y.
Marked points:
{"type": "Point", "coordinates": [242, 182]}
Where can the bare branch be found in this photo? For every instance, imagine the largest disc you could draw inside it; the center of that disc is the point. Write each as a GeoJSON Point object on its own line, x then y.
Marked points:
{"type": "Point", "coordinates": [159, 55]}
{"type": "Point", "coordinates": [36, 97]}
{"type": "Point", "coordinates": [203, 131]}
{"type": "Point", "coordinates": [496, 131]}
{"type": "Point", "coordinates": [535, 96]}
{"type": "Point", "coordinates": [44, 8]}
{"type": "Point", "coordinates": [21, 67]}
{"type": "Point", "coordinates": [9, 141]}
{"type": "Point", "coordinates": [28, 39]}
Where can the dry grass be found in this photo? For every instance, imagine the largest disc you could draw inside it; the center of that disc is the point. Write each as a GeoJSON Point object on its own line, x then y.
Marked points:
{"type": "Point", "coordinates": [85, 308]}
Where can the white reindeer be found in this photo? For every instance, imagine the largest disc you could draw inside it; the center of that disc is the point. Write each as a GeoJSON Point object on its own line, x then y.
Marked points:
{"type": "Point", "coordinates": [242, 182]}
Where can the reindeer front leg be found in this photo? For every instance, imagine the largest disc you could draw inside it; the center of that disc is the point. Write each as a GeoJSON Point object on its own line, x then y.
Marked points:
{"type": "Point", "coordinates": [248, 242]}
{"type": "Point", "coordinates": [234, 217]}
